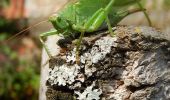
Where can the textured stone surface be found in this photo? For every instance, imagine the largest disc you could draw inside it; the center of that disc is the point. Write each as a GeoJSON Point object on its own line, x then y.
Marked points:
{"type": "Point", "coordinates": [133, 65]}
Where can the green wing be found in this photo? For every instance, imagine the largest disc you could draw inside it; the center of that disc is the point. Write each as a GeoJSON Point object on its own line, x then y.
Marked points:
{"type": "Point", "coordinates": [68, 12]}
{"type": "Point", "coordinates": [82, 10]}
{"type": "Point", "coordinates": [86, 8]}
{"type": "Point", "coordinates": [79, 12]}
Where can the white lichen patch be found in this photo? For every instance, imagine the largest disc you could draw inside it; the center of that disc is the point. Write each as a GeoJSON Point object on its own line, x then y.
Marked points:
{"type": "Point", "coordinates": [71, 56]}
{"type": "Point", "coordinates": [98, 52]}
{"type": "Point", "coordinates": [62, 75]}
{"type": "Point", "coordinates": [103, 47]}
{"type": "Point", "coordinates": [67, 74]}
{"type": "Point", "coordinates": [89, 93]}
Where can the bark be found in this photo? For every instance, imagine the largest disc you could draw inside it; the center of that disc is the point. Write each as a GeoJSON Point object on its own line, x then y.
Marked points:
{"type": "Point", "coordinates": [133, 65]}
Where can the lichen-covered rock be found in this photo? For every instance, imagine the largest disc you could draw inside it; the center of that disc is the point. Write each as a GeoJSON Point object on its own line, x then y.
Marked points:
{"type": "Point", "coordinates": [62, 75]}
{"type": "Point", "coordinates": [133, 65]}
{"type": "Point", "coordinates": [89, 93]}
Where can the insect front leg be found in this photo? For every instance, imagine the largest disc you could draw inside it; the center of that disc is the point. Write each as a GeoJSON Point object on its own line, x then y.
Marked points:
{"type": "Point", "coordinates": [44, 35]}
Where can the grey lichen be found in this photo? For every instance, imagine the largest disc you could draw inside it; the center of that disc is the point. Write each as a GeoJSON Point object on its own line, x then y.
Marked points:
{"type": "Point", "coordinates": [71, 56]}
{"type": "Point", "coordinates": [130, 66]}
{"type": "Point", "coordinates": [62, 75]}
{"type": "Point", "coordinates": [69, 72]}
{"type": "Point", "coordinates": [89, 93]}
{"type": "Point", "coordinates": [100, 49]}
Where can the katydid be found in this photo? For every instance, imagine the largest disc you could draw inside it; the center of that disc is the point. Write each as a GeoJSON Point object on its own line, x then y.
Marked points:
{"type": "Point", "coordinates": [87, 16]}
{"type": "Point", "coordinates": [84, 16]}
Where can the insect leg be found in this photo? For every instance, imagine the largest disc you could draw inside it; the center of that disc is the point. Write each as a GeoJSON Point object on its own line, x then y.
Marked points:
{"type": "Point", "coordinates": [99, 17]}
{"type": "Point", "coordinates": [97, 20]}
{"type": "Point", "coordinates": [93, 23]}
{"type": "Point", "coordinates": [144, 12]}
{"type": "Point", "coordinates": [52, 32]}
{"type": "Point", "coordinates": [109, 26]}
{"type": "Point", "coordinates": [78, 47]}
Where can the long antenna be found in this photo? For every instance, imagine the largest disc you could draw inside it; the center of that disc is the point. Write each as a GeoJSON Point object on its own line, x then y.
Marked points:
{"type": "Point", "coordinates": [32, 26]}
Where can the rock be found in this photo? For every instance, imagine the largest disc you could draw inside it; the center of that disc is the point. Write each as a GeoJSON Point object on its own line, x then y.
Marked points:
{"type": "Point", "coordinates": [133, 65]}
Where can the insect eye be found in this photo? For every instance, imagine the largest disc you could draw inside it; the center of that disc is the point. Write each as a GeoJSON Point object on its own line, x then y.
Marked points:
{"type": "Point", "coordinates": [61, 23]}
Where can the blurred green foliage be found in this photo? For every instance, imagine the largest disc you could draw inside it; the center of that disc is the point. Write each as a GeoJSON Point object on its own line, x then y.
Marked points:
{"type": "Point", "coordinates": [8, 26]}
{"type": "Point", "coordinates": [19, 79]}
{"type": "Point", "coordinates": [167, 4]}
{"type": "Point", "coordinates": [4, 3]}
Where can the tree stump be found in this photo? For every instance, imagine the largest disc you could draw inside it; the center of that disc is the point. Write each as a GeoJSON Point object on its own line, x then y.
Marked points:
{"type": "Point", "coordinates": [132, 65]}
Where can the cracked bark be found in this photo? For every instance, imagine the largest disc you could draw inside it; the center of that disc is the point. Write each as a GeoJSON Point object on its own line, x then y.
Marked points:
{"type": "Point", "coordinates": [135, 67]}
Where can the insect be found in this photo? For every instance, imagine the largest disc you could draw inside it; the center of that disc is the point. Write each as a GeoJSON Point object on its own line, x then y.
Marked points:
{"type": "Point", "coordinates": [84, 16]}
{"type": "Point", "coordinates": [87, 16]}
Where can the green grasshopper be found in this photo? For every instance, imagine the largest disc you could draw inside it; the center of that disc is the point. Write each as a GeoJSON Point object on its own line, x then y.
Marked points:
{"type": "Point", "coordinates": [87, 16]}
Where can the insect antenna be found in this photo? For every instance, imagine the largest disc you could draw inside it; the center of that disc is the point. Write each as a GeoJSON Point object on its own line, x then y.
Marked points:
{"type": "Point", "coordinates": [34, 25]}
{"type": "Point", "coordinates": [24, 30]}
{"type": "Point", "coordinates": [135, 10]}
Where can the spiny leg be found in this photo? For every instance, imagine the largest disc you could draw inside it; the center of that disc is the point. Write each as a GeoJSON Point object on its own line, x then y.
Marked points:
{"type": "Point", "coordinates": [89, 27]}
{"type": "Point", "coordinates": [52, 32]}
{"type": "Point", "coordinates": [93, 24]}
{"type": "Point", "coordinates": [98, 18]}
{"type": "Point", "coordinates": [109, 27]}
{"type": "Point", "coordinates": [78, 44]}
